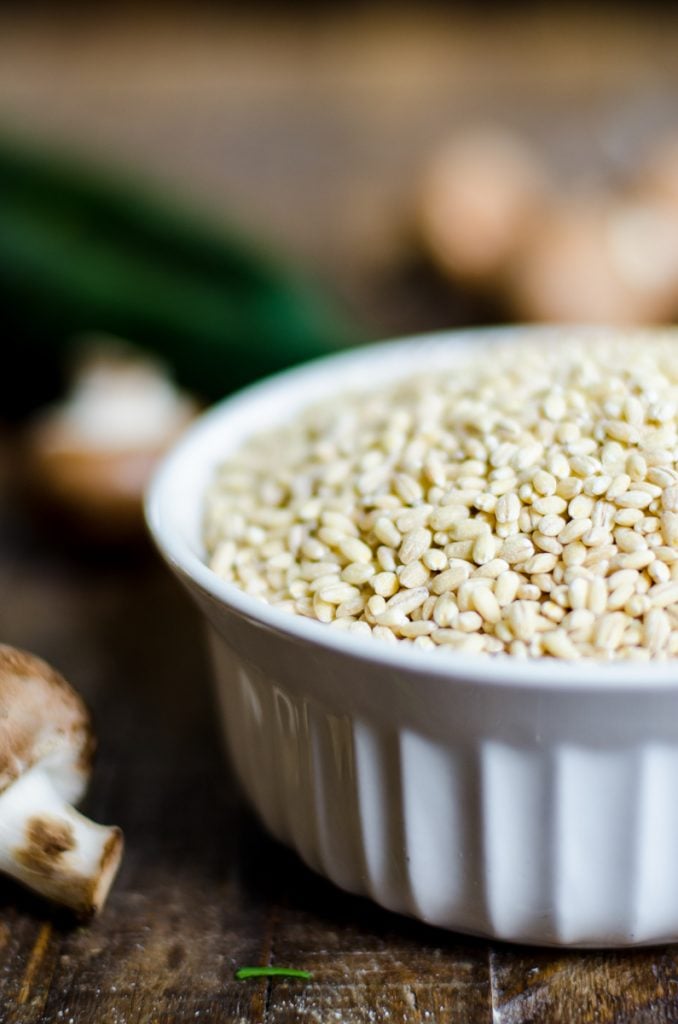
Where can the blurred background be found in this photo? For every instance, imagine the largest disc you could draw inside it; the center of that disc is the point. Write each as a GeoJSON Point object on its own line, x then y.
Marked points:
{"type": "Point", "coordinates": [392, 167]}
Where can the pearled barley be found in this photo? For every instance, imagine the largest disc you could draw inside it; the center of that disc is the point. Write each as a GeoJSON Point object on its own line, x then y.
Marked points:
{"type": "Point", "coordinates": [527, 505]}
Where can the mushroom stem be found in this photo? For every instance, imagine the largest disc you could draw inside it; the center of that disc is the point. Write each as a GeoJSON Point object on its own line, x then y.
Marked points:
{"type": "Point", "coordinates": [50, 847]}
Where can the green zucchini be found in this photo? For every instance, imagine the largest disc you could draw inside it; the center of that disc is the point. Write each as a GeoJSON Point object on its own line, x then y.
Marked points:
{"type": "Point", "coordinates": [81, 251]}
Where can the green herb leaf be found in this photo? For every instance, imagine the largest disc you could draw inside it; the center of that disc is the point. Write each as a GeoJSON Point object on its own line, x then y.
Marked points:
{"type": "Point", "coordinates": [243, 973]}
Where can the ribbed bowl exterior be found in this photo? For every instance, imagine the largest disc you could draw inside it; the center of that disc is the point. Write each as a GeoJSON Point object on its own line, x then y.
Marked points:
{"type": "Point", "coordinates": [545, 817]}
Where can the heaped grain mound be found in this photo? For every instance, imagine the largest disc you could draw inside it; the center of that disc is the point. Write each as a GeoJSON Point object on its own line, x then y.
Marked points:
{"type": "Point", "coordinates": [525, 502]}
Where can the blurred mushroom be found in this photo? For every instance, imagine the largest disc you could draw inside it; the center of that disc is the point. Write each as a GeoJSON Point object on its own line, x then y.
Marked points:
{"type": "Point", "coordinates": [46, 746]}
{"type": "Point", "coordinates": [599, 261]}
{"type": "Point", "coordinates": [92, 456]}
{"type": "Point", "coordinates": [657, 176]}
{"type": "Point", "coordinates": [480, 195]}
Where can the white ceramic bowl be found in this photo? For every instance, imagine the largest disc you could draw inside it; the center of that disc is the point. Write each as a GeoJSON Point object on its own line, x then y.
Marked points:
{"type": "Point", "coordinates": [529, 801]}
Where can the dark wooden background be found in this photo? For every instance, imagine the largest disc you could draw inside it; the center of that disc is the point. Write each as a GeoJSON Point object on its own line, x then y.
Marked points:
{"type": "Point", "coordinates": [309, 129]}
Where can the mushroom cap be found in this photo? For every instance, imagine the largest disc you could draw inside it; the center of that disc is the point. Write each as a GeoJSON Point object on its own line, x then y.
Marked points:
{"type": "Point", "coordinates": [598, 260]}
{"type": "Point", "coordinates": [100, 491]}
{"type": "Point", "coordinates": [91, 457]}
{"type": "Point", "coordinates": [42, 721]}
{"type": "Point", "coordinates": [480, 194]}
{"type": "Point", "coordinates": [657, 176]}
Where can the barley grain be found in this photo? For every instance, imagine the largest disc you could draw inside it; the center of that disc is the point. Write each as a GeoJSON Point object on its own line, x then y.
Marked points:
{"type": "Point", "coordinates": [450, 579]}
{"type": "Point", "coordinates": [386, 531]}
{"type": "Point", "coordinates": [357, 572]}
{"type": "Point", "coordinates": [559, 644]}
{"type": "Point", "coordinates": [354, 550]}
{"type": "Point", "coordinates": [486, 604]}
{"type": "Point", "coordinates": [528, 505]}
{"type": "Point", "coordinates": [434, 559]}
{"type": "Point", "coordinates": [415, 574]}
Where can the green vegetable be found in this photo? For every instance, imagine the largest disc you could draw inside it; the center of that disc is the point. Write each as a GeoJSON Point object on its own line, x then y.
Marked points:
{"type": "Point", "coordinates": [81, 251]}
{"type": "Point", "coordinates": [243, 973]}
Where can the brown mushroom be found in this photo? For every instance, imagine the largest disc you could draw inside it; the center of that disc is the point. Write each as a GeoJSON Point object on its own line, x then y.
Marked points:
{"type": "Point", "coordinates": [46, 746]}
{"type": "Point", "coordinates": [92, 456]}
{"type": "Point", "coordinates": [479, 196]}
{"type": "Point", "coordinates": [599, 260]}
{"type": "Point", "coordinates": [657, 175]}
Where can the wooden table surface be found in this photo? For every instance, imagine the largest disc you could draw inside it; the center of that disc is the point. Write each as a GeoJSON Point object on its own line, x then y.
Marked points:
{"type": "Point", "coordinates": [222, 107]}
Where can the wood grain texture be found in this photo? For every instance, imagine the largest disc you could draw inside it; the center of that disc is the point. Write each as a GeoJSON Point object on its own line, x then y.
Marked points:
{"type": "Point", "coordinates": [634, 987]}
{"type": "Point", "coordinates": [313, 131]}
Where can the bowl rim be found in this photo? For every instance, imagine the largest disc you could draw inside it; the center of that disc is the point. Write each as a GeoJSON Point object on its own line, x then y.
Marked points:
{"type": "Point", "coordinates": [496, 670]}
